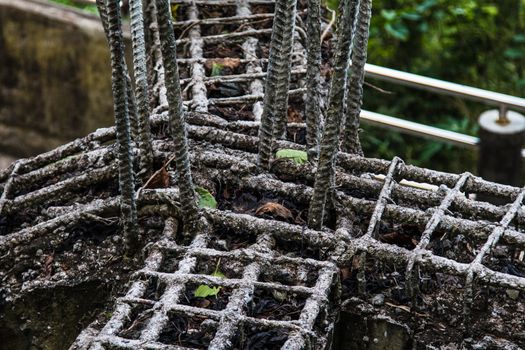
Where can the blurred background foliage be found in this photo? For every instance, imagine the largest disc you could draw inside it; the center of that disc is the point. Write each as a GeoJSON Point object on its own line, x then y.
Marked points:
{"type": "Point", "coordinates": [85, 5]}
{"type": "Point", "coordinates": [473, 42]}
{"type": "Point", "coordinates": [479, 43]}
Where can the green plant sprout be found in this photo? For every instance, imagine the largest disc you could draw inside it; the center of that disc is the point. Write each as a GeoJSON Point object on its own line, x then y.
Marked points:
{"type": "Point", "coordinates": [204, 291]}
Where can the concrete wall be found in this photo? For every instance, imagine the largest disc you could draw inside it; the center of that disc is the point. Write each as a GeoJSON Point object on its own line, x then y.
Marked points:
{"type": "Point", "coordinates": [54, 76]}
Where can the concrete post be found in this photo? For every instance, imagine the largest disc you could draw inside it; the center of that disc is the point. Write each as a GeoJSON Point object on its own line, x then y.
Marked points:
{"type": "Point", "coordinates": [502, 136]}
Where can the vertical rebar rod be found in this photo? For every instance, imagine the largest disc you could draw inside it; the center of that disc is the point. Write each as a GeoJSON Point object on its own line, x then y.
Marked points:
{"type": "Point", "coordinates": [275, 105]}
{"type": "Point", "coordinates": [330, 139]}
{"type": "Point", "coordinates": [132, 109]}
{"type": "Point", "coordinates": [354, 99]}
{"type": "Point", "coordinates": [249, 49]}
{"type": "Point", "coordinates": [122, 122]}
{"type": "Point", "coordinates": [176, 118]}
{"type": "Point", "coordinates": [141, 87]}
{"type": "Point", "coordinates": [313, 77]}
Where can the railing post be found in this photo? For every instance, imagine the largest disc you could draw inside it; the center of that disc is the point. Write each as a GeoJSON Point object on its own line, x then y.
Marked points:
{"type": "Point", "coordinates": [502, 136]}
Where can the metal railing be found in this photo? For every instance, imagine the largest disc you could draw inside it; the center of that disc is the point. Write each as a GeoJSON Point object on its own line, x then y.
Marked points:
{"type": "Point", "coordinates": [417, 129]}
{"type": "Point", "coordinates": [502, 101]}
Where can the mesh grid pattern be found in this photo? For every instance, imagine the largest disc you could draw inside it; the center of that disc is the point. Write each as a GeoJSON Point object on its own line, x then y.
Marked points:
{"type": "Point", "coordinates": [146, 317]}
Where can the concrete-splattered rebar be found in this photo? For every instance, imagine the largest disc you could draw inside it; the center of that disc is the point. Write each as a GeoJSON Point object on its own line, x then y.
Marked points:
{"type": "Point", "coordinates": [476, 266]}
{"type": "Point", "coordinates": [354, 98]}
{"type": "Point", "coordinates": [330, 140]}
{"type": "Point", "coordinates": [312, 105]}
{"type": "Point", "coordinates": [177, 124]}
{"type": "Point", "coordinates": [223, 152]}
{"type": "Point", "coordinates": [430, 227]}
{"type": "Point", "coordinates": [255, 259]}
{"type": "Point", "coordinates": [141, 86]}
{"type": "Point", "coordinates": [122, 121]}
{"type": "Point", "coordinates": [102, 6]}
{"type": "Point", "coordinates": [199, 100]}
{"type": "Point", "coordinates": [253, 68]}
{"type": "Point", "coordinates": [274, 116]}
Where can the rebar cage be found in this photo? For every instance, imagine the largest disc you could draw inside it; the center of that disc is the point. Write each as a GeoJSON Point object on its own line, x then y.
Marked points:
{"type": "Point", "coordinates": [399, 229]}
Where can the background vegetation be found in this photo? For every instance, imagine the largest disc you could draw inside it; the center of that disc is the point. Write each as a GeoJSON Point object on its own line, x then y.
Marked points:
{"type": "Point", "coordinates": [473, 42]}
{"type": "Point", "coordinates": [89, 7]}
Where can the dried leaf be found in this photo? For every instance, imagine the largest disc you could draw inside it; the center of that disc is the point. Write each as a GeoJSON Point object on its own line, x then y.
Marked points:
{"type": "Point", "coordinates": [161, 179]}
{"type": "Point", "coordinates": [48, 265]}
{"type": "Point", "coordinates": [402, 307]}
{"type": "Point", "coordinates": [407, 309]}
{"type": "Point", "coordinates": [356, 262]}
{"type": "Point", "coordinates": [275, 210]}
{"type": "Point", "coordinates": [346, 273]}
{"type": "Point", "coordinates": [204, 303]}
{"type": "Point", "coordinates": [226, 193]}
{"type": "Point", "coordinates": [294, 116]}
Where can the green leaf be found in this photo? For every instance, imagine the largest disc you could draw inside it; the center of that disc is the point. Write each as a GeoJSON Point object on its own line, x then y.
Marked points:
{"type": "Point", "coordinates": [397, 30]}
{"type": "Point", "coordinates": [300, 157]}
{"type": "Point", "coordinates": [519, 38]}
{"type": "Point", "coordinates": [411, 16]}
{"type": "Point", "coordinates": [514, 53]}
{"type": "Point", "coordinates": [389, 15]}
{"type": "Point", "coordinates": [216, 69]}
{"type": "Point", "coordinates": [218, 274]}
{"type": "Point", "coordinates": [204, 291]}
{"type": "Point", "coordinates": [490, 10]}
{"type": "Point", "coordinates": [206, 200]}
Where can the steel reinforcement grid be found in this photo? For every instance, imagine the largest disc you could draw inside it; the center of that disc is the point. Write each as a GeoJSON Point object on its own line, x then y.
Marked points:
{"type": "Point", "coordinates": [279, 258]}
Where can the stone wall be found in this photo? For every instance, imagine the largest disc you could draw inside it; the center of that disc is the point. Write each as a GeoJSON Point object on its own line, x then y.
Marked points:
{"type": "Point", "coordinates": [54, 76]}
